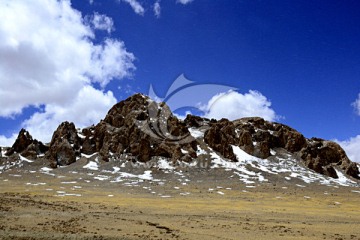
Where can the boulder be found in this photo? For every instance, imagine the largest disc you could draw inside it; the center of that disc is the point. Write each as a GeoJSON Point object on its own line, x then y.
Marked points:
{"type": "Point", "coordinates": [352, 170]}
{"type": "Point", "coordinates": [245, 141]}
{"type": "Point", "coordinates": [262, 150]}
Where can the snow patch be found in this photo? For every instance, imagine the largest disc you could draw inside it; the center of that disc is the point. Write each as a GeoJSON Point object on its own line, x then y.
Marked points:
{"type": "Point", "coordinates": [101, 177]}
{"type": "Point", "coordinates": [81, 136]}
{"type": "Point", "coordinates": [25, 159]}
{"type": "Point", "coordinates": [92, 166]}
{"type": "Point", "coordinates": [343, 180]}
{"type": "Point", "coordinates": [184, 151]}
{"type": "Point", "coordinates": [46, 169]}
{"type": "Point", "coordinates": [88, 156]}
{"type": "Point", "coordinates": [200, 151]}
{"type": "Point", "coordinates": [145, 176]}
{"type": "Point", "coordinates": [116, 169]}
{"type": "Point", "coordinates": [196, 133]}
{"type": "Point", "coordinates": [164, 164]}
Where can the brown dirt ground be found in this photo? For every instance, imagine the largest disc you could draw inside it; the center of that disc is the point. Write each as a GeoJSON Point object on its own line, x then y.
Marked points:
{"type": "Point", "coordinates": [266, 212]}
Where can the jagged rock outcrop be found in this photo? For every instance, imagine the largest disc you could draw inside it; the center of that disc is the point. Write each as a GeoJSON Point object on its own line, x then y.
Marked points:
{"type": "Point", "coordinates": [64, 146]}
{"type": "Point", "coordinates": [143, 128]}
{"type": "Point", "coordinates": [196, 121]}
{"type": "Point", "coordinates": [321, 156]}
{"type": "Point", "coordinates": [220, 136]}
{"type": "Point", "coordinates": [257, 137]}
{"type": "Point", "coordinates": [27, 146]}
{"type": "Point", "coordinates": [88, 143]}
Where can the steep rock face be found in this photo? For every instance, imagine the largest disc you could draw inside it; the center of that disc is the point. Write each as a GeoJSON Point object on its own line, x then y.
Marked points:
{"type": "Point", "coordinates": [88, 142]}
{"type": "Point", "coordinates": [27, 146]}
{"type": "Point", "coordinates": [220, 136]}
{"type": "Point", "coordinates": [64, 146]}
{"type": "Point", "coordinates": [143, 128]}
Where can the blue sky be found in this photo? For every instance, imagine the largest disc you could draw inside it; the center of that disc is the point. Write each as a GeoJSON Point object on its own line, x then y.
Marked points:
{"type": "Point", "coordinates": [303, 57]}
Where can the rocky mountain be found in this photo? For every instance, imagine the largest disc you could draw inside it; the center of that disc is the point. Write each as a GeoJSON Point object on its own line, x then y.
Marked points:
{"type": "Point", "coordinates": [139, 129]}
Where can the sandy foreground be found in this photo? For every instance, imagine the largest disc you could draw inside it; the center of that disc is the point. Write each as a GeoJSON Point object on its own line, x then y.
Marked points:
{"type": "Point", "coordinates": [61, 208]}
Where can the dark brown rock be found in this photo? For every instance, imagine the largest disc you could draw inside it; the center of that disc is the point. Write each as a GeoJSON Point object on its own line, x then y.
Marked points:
{"type": "Point", "coordinates": [35, 149]}
{"type": "Point", "coordinates": [262, 150]}
{"type": "Point", "coordinates": [351, 169]}
{"type": "Point", "coordinates": [319, 154]}
{"type": "Point", "coordinates": [64, 146]}
{"type": "Point", "coordinates": [195, 121]}
{"type": "Point", "coordinates": [27, 146]}
{"type": "Point", "coordinates": [143, 128]}
{"type": "Point", "coordinates": [245, 142]}
{"type": "Point", "coordinates": [220, 136]}
{"type": "Point", "coordinates": [23, 140]}
{"type": "Point", "coordinates": [257, 137]}
{"type": "Point", "coordinates": [329, 171]}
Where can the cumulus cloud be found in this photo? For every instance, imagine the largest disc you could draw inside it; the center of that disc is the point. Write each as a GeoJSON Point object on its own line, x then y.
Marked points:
{"type": "Point", "coordinates": [86, 108]}
{"type": "Point", "coordinates": [356, 105]}
{"type": "Point", "coordinates": [352, 148]}
{"type": "Point", "coordinates": [8, 141]}
{"type": "Point", "coordinates": [136, 6]}
{"type": "Point", "coordinates": [234, 105]}
{"type": "Point", "coordinates": [102, 22]}
{"type": "Point", "coordinates": [48, 58]}
{"type": "Point", "coordinates": [184, 1]}
{"type": "Point", "coordinates": [157, 9]}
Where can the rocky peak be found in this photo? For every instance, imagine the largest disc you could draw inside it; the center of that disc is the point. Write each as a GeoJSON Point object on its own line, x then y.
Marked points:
{"type": "Point", "coordinates": [143, 128]}
{"type": "Point", "coordinates": [64, 146]}
{"type": "Point", "coordinates": [23, 140]}
{"type": "Point", "coordinates": [27, 146]}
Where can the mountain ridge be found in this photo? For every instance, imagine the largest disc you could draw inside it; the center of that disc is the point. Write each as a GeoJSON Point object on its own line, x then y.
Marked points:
{"type": "Point", "coordinates": [141, 129]}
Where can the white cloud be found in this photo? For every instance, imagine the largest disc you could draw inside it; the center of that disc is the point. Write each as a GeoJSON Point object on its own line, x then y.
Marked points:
{"type": "Point", "coordinates": [184, 1]}
{"type": "Point", "coordinates": [234, 105]}
{"type": "Point", "coordinates": [8, 141]}
{"type": "Point", "coordinates": [356, 105]}
{"type": "Point", "coordinates": [136, 6]}
{"type": "Point", "coordinates": [157, 9]}
{"type": "Point", "coordinates": [102, 22]}
{"type": "Point", "coordinates": [352, 148]}
{"type": "Point", "coordinates": [109, 61]}
{"type": "Point", "coordinates": [88, 107]}
{"type": "Point", "coordinates": [48, 58]}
